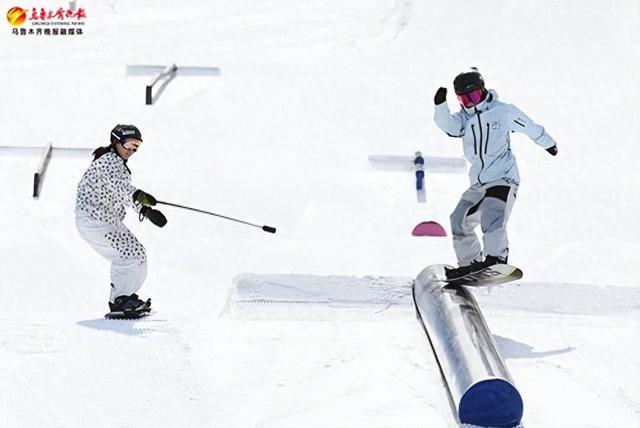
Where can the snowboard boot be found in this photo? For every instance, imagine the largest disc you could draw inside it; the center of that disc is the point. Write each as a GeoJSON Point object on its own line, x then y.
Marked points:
{"type": "Point", "coordinates": [453, 273]}
{"type": "Point", "coordinates": [144, 306]}
{"type": "Point", "coordinates": [137, 299]}
{"type": "Point", "coordinates": [494, 260]}
{"type": "Point", "coordinates": [129, 304]}
{"type": "Point", "coordinates": [478, 266]}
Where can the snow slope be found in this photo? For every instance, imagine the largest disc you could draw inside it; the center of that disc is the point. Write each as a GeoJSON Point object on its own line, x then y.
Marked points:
{"type": "Point", "coordinates": [308, 90]}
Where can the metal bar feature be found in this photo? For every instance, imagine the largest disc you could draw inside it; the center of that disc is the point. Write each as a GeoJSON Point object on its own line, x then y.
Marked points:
{"type": "Point", "coordinates": [19, 149]}
{"type": "Point", "coordinates": [169, 72]}
{"type": "Point", "coordinates": [38, 176]}
{"type": "Point", "coordinates": [431, 163]}
{"type": "Point", "coordinates": [478, 380]}
{"type": "Point", "coordinates": [151, 70]}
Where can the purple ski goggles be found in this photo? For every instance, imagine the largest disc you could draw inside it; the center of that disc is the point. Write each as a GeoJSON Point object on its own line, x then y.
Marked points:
{"type": "Point", "coordinates": [471, 98]}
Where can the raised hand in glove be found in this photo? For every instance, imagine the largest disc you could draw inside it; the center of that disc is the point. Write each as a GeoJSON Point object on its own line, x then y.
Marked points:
{"type": "Point", "coordinates": [553, 150]}
{"type": "Point", "coordinates": [441, 96]}
{"type": "Point", "coordinates": [154, 216]}
{"type": "Point", "coordinates": [143, 198]}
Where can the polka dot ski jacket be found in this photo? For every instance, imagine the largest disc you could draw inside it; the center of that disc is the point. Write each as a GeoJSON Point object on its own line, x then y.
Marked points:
{"type": "Point", "coordinates": [105, 190]}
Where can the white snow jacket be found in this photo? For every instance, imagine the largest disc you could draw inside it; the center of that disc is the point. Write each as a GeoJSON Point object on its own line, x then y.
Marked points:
{"type": "Point", "coordinates": [485, 131]}
{"type": "Point", "coordinates": [105, 190]}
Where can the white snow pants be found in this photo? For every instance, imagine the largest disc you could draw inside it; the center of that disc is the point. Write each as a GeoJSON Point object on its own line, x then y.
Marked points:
{"type": "Point", "coordinates": [488, 205]}
{"type": "Point", "coordinates": [117, 244]}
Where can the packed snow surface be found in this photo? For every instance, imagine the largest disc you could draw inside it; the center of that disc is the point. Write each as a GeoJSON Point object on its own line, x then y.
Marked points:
{"type": "Point", "coordinates": [307, 91]}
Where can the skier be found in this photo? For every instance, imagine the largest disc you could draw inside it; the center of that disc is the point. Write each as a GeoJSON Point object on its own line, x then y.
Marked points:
{"type": "Point", "coordinates": [485, 125]}
{"type": "Point", "coordinates": [102, 195]}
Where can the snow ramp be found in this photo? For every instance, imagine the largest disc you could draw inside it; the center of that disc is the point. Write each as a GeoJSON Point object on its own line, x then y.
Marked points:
{"type": "Point", "coordinates": [477, 378]}
{"type": "Point", "coordinates": [308, 297]}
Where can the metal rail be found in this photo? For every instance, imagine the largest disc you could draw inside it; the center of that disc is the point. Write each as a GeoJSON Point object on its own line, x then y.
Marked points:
{"type": "Point", "coordinates": [478, 380]}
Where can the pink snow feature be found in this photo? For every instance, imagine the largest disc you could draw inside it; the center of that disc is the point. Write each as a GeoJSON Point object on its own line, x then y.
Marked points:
{"type": "Point", "coordinates": [429, 228]}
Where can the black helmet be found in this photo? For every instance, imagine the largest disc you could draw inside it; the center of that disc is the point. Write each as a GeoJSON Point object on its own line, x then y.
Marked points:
{"type": "Point", "coordinates": [468, 81]}
{"type": "Point", "coordinates": [122, 133]}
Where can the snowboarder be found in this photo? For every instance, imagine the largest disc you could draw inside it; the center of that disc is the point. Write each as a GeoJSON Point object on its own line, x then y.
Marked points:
{"type": "Point", "coordinates": [102, 195]}
{"type": "Point", "coordinates": [485, 125]}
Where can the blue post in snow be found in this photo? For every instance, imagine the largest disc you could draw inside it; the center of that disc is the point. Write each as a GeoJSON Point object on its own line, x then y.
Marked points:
{"type": "Point", "coordinates": [418, 163]}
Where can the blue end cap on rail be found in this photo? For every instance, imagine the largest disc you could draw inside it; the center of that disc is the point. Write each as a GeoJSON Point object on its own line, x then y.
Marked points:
{"type": "Point", "coordinates": [492, 402]}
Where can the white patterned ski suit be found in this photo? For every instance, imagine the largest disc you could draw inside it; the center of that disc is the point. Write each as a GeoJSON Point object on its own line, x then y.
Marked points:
{"type": "Point", "coordinates": [486, 131]}
{"type": "Point", "coordinates": [103, 193]}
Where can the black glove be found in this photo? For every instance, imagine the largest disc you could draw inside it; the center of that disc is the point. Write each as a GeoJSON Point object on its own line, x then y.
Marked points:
{"type": "Point", "coordinates": [441, 96]}
{"type": "Point", "coordinates": [143, 198]}
{"type": "Point", "coordinates": [154, 216]}
{"type": "Point", "coordinates": [553, 150]}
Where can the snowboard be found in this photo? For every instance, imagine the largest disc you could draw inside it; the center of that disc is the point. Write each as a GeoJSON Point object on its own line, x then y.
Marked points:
{"type": "Point", "coordinates": [492, 275]}
{"type": "Point", "coordinates": [130, 315]}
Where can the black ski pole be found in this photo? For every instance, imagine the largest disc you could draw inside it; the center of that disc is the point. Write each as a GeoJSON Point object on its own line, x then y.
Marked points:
{"type": "Point", "coordinates": [265, 228]}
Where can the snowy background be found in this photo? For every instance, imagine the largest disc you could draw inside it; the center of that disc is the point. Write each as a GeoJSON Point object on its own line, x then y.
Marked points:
{"type": "Point", "coordinates": [308, 90]}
